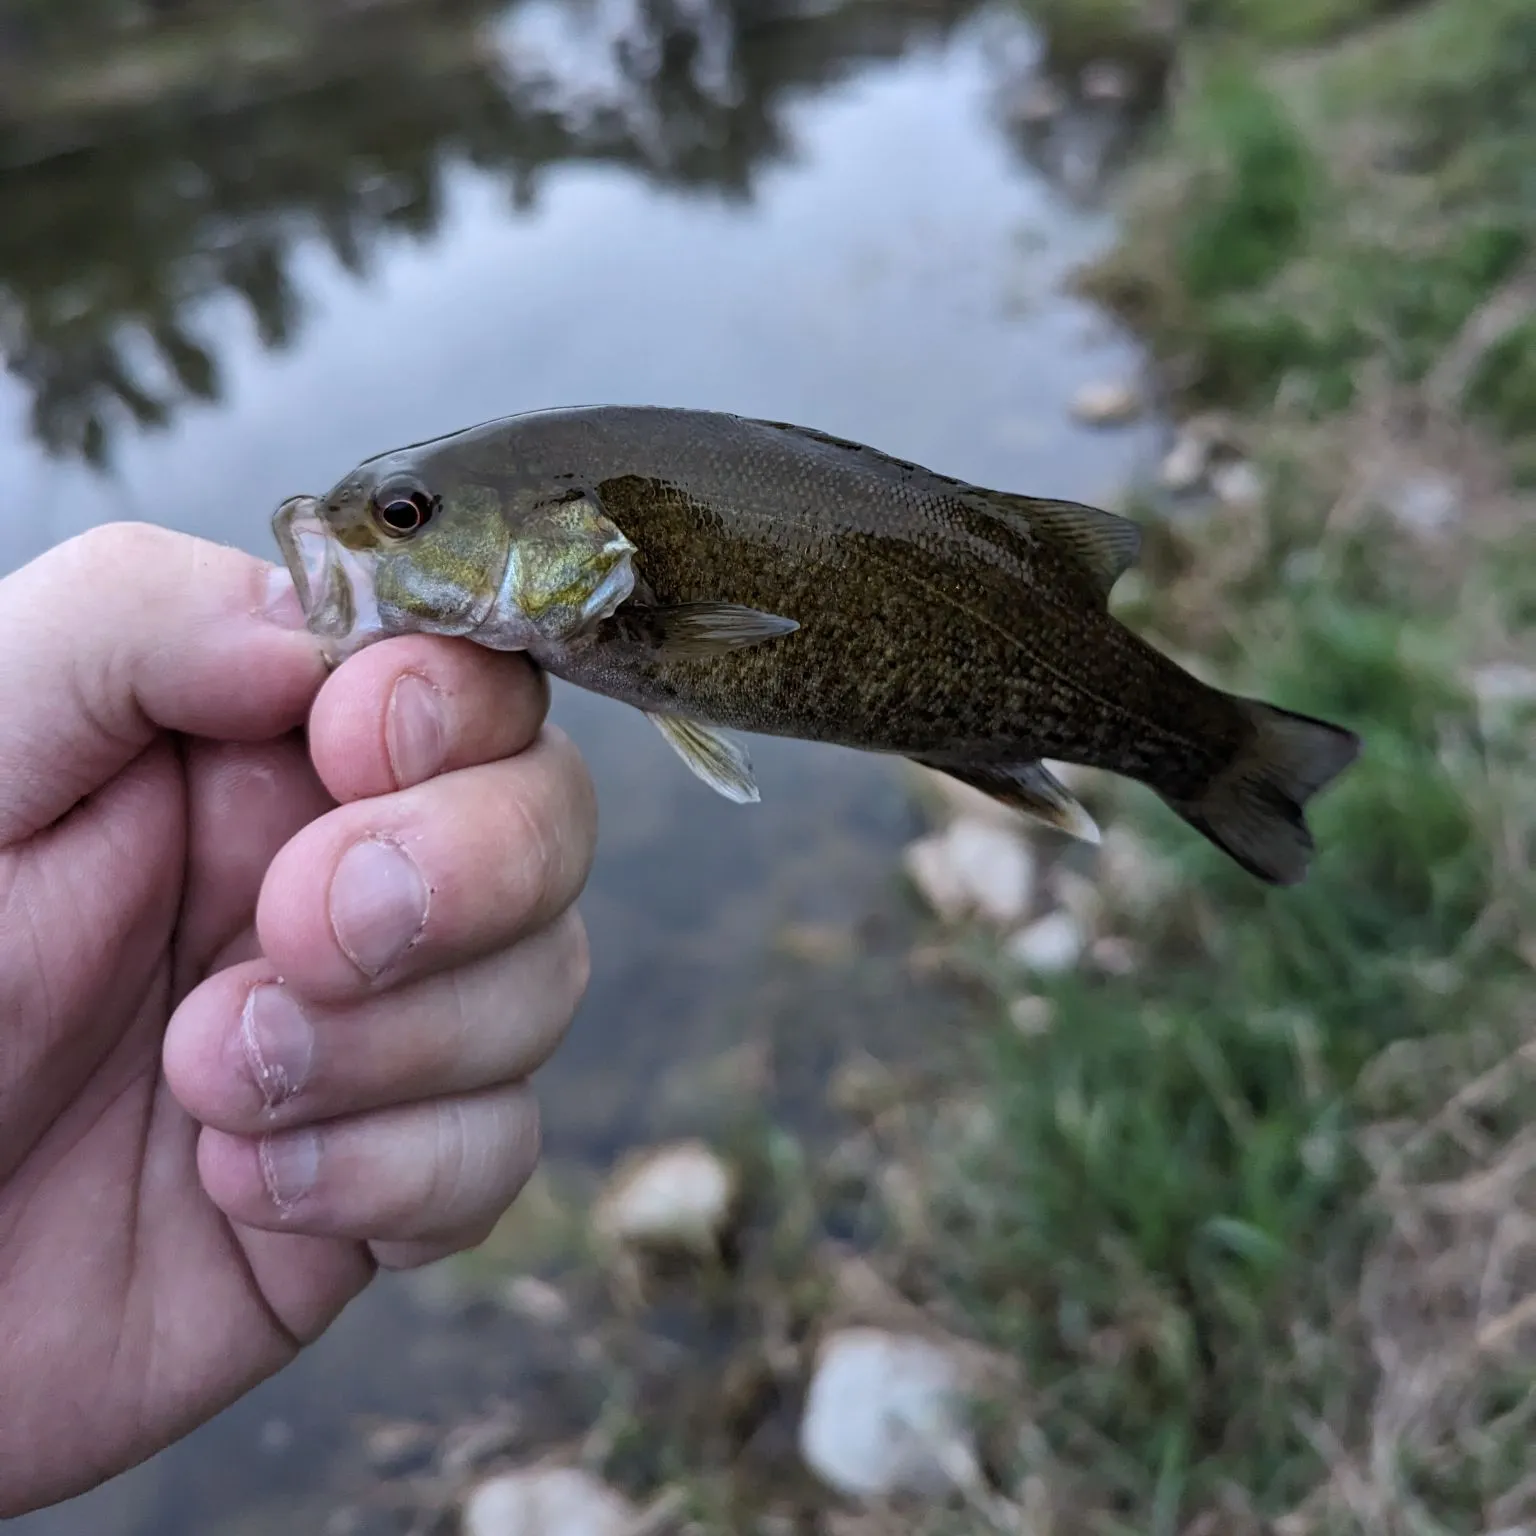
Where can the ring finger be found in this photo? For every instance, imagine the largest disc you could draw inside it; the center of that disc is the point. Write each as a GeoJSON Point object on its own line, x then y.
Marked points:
{"type": "Point", "coordinates": [438, 1173]}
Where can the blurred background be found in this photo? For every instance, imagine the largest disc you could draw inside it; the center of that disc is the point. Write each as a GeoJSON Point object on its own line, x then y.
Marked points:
{"type": "Point", "coordinates": [246, 243]}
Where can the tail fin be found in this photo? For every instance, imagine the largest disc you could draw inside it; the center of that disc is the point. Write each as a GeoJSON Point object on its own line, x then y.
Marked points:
{"type": "Point", "coordinates": [1253, 810]}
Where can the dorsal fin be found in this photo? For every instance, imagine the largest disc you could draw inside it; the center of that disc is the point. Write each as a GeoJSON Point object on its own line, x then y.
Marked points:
{"type": "Point", "coordinates": [1103, 543]}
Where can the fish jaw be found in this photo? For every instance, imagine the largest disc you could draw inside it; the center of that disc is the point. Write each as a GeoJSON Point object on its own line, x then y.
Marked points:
{"type": "Point", "coordinates": [335, 585]}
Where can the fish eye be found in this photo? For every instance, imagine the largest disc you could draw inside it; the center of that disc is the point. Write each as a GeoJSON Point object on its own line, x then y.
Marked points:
{"type": "Point", "coordinates": [401, 510]}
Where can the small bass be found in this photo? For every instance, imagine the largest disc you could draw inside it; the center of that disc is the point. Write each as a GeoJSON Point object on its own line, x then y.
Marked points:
{"type": "Point", "coordinates": [722, 573]}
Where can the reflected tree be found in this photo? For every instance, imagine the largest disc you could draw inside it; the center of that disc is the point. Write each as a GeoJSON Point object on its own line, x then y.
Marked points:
{"type": "Point", "coordinates": [124, 227]}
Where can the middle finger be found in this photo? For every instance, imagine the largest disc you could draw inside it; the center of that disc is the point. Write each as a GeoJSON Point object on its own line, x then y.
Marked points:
{"type": "Point", "coordinates": [388, 889]}
{"type": "Point", "coordinates": [243, 1054]}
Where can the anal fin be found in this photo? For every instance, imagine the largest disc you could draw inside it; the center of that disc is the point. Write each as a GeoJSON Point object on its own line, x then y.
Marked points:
{"type": "Point", "coordinates": [722, 763]}
{"type": "Point", "coordinates": [1030, 788]}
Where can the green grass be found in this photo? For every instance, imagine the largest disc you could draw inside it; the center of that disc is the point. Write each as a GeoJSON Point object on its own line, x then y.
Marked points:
{"type": "Point", "coordinates": [1310, 220]}
{"type": "Point", "coordinates": [1182, 1223]}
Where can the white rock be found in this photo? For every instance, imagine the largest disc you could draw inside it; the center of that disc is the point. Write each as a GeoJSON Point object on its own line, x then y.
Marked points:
{"type": "Point", "coordinates": [885, 1415]}
{"type": "Point", "coordinates": [1131, 876]}
{"type": "Point", "coordinates": [1504, 687]}
{"type": "Point", "coordinates": [1107, 404]}
{"type": "Point", "coordinates": [676, 1196]}
{"type": "Point", "coordinates": [1423, 503]}
{"type": "Point", "coordinates": [1031, 1015]}
{"type": "Point", "coordinates": [536, 1301]}
{"type": "Point", "coordinates": [930, 868]}
{"type": "Point", "coordinates": [1183, 466]}
{"type": "Point", "coordinates": [1079, 896]}
{"type": "Point", "coordinates": [1049, 946]}
{"type": "Point", "coordinates": [399, 1446]}
{"type": "Point", "coordinates": [1114, 955]}
{"type": "Point", "coordinates": [1105, 80]}
{"type": "Point", "coordinates": [996, 867]}
{"type": "Point", "coordinates": [1239, 485]}
{"type": "Point", "coordinates": [973, 866]}
{"type": "Point", "coordinates": [546, 1501]}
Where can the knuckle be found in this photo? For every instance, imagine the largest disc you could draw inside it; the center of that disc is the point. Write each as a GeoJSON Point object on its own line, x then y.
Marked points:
{"type": "Point", "coordinates": [108, 545]}
{"type": "Point", "coordinates": [575, 955]}
{"type": "Point", "coordinates": [575, 779]}
{"type": "Point", "coordinates": [534, 834]}
{"type": "Point", "coordinates": [525, 1145]}
{"type": "Point", "coordinates": [484, 1151]}
{"type": "Point", "coordinates": [450, 1165]}
{"type": "Point", "coordinates": [553, 826]}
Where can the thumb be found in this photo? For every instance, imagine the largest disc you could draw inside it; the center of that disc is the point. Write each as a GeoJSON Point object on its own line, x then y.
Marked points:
{"type": "Point", "coordinates": [131, 629]}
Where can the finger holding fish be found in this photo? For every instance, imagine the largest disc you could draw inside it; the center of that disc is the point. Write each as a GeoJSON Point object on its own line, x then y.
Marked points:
{"type": "Point", "coordinates": [404, 885]}
{"type": "Point", "coordinates": [405, 710]}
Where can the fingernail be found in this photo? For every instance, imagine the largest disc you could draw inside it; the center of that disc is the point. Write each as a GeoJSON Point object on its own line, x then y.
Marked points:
{"type": "Point", "coordinates": [413, 730]}
{"type": "Point", "coordinates": [282, 606]}
{"type": "Point", "coordinates": [378, 904]}
{"type": "Point", "coordinates": [290, 1164]}
{"type": "Point", "coordinates": [278, 1041]}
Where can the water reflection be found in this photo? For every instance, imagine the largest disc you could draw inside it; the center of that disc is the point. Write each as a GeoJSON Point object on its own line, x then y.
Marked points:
{"type": "Point", "coordinates": [108, 251]}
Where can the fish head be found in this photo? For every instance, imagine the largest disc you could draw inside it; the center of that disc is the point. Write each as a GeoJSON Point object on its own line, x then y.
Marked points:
{"type": "Point", "coordinates": [417, 544]}
{"type": "Point", "coordinates": [389, 550]}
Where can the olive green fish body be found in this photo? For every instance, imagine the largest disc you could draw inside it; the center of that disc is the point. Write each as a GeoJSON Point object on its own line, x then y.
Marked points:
{"type": "Point", "coordinates": [934, 619]}
{"type": "Point", "coordinates": [879, 605]}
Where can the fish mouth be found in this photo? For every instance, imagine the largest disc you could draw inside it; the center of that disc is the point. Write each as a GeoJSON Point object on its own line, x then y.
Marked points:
{"type": "Point", "coordinates": [334, 584]}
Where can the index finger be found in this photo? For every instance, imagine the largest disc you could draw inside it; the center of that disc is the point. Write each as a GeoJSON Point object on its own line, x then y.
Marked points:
{"type": "Point", "coordinates": [407, 709]}
{"type": "Point", "coordinates": [130, 629]}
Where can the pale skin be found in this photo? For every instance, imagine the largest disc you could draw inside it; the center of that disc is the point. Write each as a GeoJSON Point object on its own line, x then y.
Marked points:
{"type": "Point", "coordinates": [240, 1071]}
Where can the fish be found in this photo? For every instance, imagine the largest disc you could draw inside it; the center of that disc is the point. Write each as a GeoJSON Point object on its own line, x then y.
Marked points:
{"type": "Point", "coordinates": [723, 573]}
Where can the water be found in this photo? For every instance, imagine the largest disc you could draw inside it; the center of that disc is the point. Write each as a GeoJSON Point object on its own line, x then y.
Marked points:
{"type": "Point", "coordinates": [813, 218]}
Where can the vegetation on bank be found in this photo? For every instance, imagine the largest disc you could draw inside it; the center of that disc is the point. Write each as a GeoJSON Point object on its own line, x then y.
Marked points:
{"type": "Point", "coordinates": [1259, 1217]}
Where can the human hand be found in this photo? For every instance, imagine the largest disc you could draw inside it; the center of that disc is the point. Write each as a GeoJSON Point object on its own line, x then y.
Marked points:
{"type": "Point", "coordinates": [266, 1010]}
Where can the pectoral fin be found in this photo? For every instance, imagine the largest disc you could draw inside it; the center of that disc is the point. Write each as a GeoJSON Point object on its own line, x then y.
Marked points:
{"type": "Point", "coordinates": [722, 763]}
{"type": "Point", "coordinates": [1031, 788]}
{"type": "Point", "coordinates": [700, 629]}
